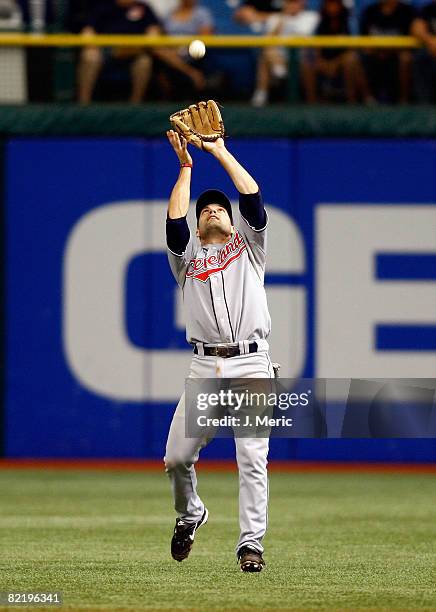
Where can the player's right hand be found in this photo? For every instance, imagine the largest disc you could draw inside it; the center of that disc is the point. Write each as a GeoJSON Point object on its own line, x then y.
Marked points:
{"type": "Point", "coordinates": [180, 147]}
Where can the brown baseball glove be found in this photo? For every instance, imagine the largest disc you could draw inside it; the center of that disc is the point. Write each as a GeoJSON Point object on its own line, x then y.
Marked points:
{"type": "Point", "coordinates": [199, 123]}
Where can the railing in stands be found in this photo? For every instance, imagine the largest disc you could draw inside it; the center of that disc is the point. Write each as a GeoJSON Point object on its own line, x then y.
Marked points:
{"type": "Point", "coordinates": [227, 41]}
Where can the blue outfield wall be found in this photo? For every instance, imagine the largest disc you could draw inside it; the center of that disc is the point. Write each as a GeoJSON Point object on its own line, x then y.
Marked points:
{"type": "Point", "coordinates": [96, 352]}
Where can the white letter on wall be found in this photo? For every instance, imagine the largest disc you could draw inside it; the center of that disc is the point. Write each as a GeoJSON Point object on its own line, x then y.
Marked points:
{"type": "Point", "coordinates": [97, 348]}
{"type": "Point", "coordinates": [350, 301]}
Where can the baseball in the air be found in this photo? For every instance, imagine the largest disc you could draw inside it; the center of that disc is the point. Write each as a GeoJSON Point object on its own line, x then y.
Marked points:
{"type": "Point", "coordinates": [197, 49]}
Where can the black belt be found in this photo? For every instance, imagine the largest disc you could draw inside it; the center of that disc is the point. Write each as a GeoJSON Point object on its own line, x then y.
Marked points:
{"type": "Point", "coordinates": [226, 351]}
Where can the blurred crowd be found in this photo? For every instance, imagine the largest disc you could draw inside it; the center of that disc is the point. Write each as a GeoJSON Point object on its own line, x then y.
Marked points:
{"type": "Point", "coordinates": [368, 76]}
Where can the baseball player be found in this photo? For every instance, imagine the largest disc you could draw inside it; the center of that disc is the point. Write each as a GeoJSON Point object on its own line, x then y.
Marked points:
{"type": "Point", "coordinates": [220, 270]}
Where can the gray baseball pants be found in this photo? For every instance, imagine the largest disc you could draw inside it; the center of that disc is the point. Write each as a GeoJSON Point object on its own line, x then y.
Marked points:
{"type": "Point", "coordinates": [251, 453]}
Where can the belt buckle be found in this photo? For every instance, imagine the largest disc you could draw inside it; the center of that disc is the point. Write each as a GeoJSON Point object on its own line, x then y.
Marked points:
{"type": "Point", "coordinates": [221, 351]}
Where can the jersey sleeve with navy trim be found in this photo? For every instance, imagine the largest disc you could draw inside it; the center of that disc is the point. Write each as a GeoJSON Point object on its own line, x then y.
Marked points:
{"type": "Point", "coordinates": [253, 224]}
{"type": "Point", "coordinates": [178, 235]}
{"type": "Point", "coordinates": [252, 210]}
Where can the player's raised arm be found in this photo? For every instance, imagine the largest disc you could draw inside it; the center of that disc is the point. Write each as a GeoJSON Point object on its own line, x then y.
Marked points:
{"type": "Point", "coordinates": [242, 180]}
{"type": "Point", "coordinates": [201, 125]}
{"type": "Point", "coordinates": [177, 229]}
{"type": "Point", "coordinates": [181, 193]}
{"type": "Point", "coordinates": [250, 198]}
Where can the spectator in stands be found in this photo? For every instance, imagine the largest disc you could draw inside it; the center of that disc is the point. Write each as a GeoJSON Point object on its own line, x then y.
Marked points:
{"type": "Point", "coordinates": [255, 13]}
{"type": "Point", "coordinates": [126, 17]}
{"type": "Point", "coordinates": [76, 17]}
{"type": "Point", "coordinates": [389, 72]}
{"type": "Point", "coordinates": [293, 19]}
{"type": "Point", "coordinates": [424, 29]}
{"type": "Point", "coordinates": [162, 8]}
{"type": "Point", "coordinates": [187, 19]}
{"type": "Point", "coordinates": [337, 68]}
{"type": "Point", "coordinates": [10, 15]}
{"type": "Point", "coordinates": [37, 15]}
{"type": "Point", "coordinates": [78, 10]}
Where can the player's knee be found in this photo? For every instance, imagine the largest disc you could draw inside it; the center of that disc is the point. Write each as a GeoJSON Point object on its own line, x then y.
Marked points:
{"type": "Point", "coordinates": [143, 61]}
{"type": "Point", "coordinates": [92, 56]}
{"type": "Point", "coordinates": [405, 58]}
{"type": "Point", "coordinates": [174, 461]}
{"type": "Point", "coordinates": [349, 59]}
{"type": "Point", "coordinates": [169, 463]}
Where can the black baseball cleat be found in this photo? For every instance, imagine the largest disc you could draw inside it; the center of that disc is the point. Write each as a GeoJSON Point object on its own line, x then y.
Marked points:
{"type": "Point", "coordinates": [250, 560]}
{"type": "Point", "coordinates": [183, 537]}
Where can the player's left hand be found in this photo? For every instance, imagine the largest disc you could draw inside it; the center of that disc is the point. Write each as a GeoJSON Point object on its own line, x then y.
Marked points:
{"type": "Point", "coordinates": [180, 147]}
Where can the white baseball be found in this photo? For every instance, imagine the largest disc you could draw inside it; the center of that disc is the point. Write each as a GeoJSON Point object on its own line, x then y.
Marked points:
{"type": "Point", "coordinates": [197, 49]}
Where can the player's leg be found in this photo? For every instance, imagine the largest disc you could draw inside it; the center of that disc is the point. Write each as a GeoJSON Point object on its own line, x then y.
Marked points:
{"type": "Point", "coordinates": [424, 77]}
{"type": "Point", "coordinates": [272, 63]}
{"type": "Point", "coordinates": [361, 80]}
{"type": "Point", "coordinates": [260, 95]}
{"type": "Point", "coordinates": [404, 75]}
{"type": "Point", "coordinates": [347, 63]}
{"type": "Point", "coordinates": [373, 68]}
{"type": "Point", "coordinates": [251, 456]}
{"type": "Point", "coordinates": [308, 75]}
{"type": "Point", "coordinates": [91, 62]}
{"type": "Point", "coordinates": [181, 454]}
{"type": "Point", "coordinates": [180, 457]}
{"type": "Point", "coordinates": [277, 61]}
{"type": "Point", "coordinates": [141, 73]}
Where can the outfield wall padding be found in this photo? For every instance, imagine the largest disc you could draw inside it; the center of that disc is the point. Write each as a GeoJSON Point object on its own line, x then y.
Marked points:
{"type": "Point", "coordinates": [241, 120]}
{"type": "Point", "coordinates": [96, 349]}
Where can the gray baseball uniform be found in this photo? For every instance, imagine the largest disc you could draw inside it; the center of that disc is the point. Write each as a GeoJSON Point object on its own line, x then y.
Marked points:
{"type": "Point", "coordinates": [225, 303]}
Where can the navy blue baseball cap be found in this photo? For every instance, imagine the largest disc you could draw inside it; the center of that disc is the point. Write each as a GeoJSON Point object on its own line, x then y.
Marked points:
{"type": "Point", "coordinates": [213, 196]}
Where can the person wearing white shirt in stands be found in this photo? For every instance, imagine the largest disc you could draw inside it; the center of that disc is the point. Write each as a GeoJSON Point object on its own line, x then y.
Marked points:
{"type": "Point", "coordinates": [162, 8]}
{"type": "Point", "coordinates": [292, 20]}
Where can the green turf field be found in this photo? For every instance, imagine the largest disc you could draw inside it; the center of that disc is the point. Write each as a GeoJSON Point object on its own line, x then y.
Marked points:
{"type": "Point", "coordinates": [335, 541]}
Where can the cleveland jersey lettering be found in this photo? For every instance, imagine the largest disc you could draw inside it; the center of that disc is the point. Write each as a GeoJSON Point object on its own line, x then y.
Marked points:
{"type": "Point", "coordinates": [223, 292]}
{"type": "Point", "coordinates": [203, 267]}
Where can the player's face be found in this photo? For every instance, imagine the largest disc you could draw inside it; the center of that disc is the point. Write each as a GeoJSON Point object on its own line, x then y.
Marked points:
{"type": "Point", "coordinates": [214, 219]}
